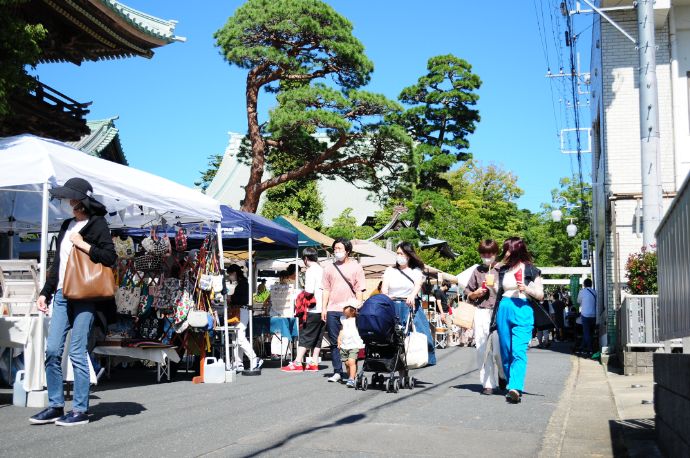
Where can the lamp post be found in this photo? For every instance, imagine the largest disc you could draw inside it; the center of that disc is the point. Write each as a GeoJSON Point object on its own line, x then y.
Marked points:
{"type": "Point", "coordinates": [571, 229]}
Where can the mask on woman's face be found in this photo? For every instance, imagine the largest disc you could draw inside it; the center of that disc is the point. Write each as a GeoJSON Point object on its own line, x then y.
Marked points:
{"type": "Point", "coordinates": [488, 261]}
{"type": "Point", "coordinates": [339, 255]}
{"type": "Point", "coordinates": [401, 260]}
{"type": "Point", "coordinates": [66, 207]}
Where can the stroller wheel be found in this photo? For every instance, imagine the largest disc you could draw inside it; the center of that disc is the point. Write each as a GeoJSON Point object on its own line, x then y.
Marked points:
{"type": "Point", "coordinates": [412, 382]}
{"type": "Point", "coordinates": [364, 384]}
{"type": "Point", "coordinates": [389, 386]}
{"type": "Point", "coordinates": [396, 386]}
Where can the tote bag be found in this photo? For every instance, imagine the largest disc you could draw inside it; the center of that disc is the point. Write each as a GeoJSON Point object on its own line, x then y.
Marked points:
{"type": "Point", "coordinates": [416, 350]}
{"type": "Point", "coordinates": [464, 315]}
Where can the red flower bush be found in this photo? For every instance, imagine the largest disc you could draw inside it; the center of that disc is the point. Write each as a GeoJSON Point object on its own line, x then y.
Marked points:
{"type": "Point", "coordinates": [641, 268]}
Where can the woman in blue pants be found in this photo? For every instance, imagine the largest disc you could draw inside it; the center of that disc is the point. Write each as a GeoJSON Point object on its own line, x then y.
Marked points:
{"type": "Point", "coordinates": [519, 281]}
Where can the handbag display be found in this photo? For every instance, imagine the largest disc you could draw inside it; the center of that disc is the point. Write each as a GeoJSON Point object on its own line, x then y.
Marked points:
{"type": "Point", "coordinates": [416, 350]}
{"type": "Point", "coordinates": [85, 279]}
{"type": "Point", "coordinates": [464, 315]}
{"type": "Point", "coordinates": [183, 305]}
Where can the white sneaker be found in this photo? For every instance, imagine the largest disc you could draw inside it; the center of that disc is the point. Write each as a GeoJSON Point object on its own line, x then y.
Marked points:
{"type": "Point", "coordinates": [238, 369]}
{"type": "Point", "coordinates": [335, 377]}
{"type": "Point", "coordinates": [258, 363]}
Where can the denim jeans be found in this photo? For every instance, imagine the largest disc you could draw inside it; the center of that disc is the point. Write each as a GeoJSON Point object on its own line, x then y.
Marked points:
{"type": "Point", "coordinates": [588, 324]}
{"type": "Point", "coordinates": [77, 316]}
{"type": "Point", "coordinates": [515, 321]}
{"type": "Point", "coordinates": [421, 324]}
{"type": "Point", "coordinates": [333, 328]}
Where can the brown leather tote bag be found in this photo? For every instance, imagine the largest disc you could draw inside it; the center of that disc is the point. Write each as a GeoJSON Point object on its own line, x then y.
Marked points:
{"type": "Point", "coordinates": [87, 280]}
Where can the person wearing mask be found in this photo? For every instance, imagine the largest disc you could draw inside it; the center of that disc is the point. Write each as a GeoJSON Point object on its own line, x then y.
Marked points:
{"type": "Point", "coordinates": [311, 335]}
{"type": "Point", "coordinates": [402, 284]}
{"type": "Point", "coordinates": [519, 280]}
{"type": "Point", "coordinates": [87, 231]}
{"type": "Point", "coordinates": [240, 298]}
{"type": "Point", "coordinates": [587, 298]}
{"type": "Point", "coordinates": [481, 291]}
{"type": "Point", "coordinates": [343, 285]}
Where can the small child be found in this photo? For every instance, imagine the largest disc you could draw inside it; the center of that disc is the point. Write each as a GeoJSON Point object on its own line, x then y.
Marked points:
{"type": "Point", "coordinates": [349, 343]}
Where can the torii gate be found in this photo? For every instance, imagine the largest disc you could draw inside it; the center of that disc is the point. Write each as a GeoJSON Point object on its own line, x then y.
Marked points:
{"type": "Point", "coordinates": [583, 272]}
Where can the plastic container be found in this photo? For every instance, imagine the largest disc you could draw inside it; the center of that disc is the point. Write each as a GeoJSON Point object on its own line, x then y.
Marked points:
{"type": "Point", "coordinates": [19, 393]}
{"type": "Point", "coordinates": [214, 370]}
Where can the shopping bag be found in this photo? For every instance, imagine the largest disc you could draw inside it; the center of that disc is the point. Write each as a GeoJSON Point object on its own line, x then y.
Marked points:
{"type": "Point", "coordinates": [416, 350]}
{"type": "Point", "coordinates": [464, 315]}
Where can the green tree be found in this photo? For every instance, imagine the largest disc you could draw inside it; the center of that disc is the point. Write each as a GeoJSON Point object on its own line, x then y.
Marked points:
{"type": "Point", "coordinates": [19, 48]}
{"type": "Point", "coordinates": [440, 117]}
{"type": "Point", "coordinates": [300, 200]}
{"type": "Point", "coordinates": [207, 175]}
{"type": "Point", "coordinates": [345, 225]}
{"type": "Point", "coordinates": [287, 46]}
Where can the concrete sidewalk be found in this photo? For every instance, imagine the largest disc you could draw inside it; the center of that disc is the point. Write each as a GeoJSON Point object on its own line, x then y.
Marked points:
{"type": "Point", "coordinates": [602, 413]}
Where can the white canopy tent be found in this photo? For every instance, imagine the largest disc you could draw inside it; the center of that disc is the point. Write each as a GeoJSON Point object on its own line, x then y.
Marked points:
{"type": "Point", "coordinates": [32, 165]}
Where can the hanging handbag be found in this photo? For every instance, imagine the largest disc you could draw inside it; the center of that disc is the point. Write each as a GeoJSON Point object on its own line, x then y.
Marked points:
{"type": "Point", "coordinates": [182, 307]}
{"type": "Point", "coordinates": [127, 297]}
{"type": "Point", "coordinates": [416, 350]}
{"type": "Point", "coordinates": [85, 279]}
{"type": "Point", "coordinates": [197, 318]}
{"type": "Point", "coordinates": [181, 240]}
{"type": "Point", "coordinates": [51, 252]}
{"type": "Point", "coordinates": [124, 248]}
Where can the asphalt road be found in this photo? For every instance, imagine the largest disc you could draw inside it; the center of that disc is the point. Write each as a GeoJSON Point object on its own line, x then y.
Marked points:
{"type": "Point", "coordinates": [290, 414]}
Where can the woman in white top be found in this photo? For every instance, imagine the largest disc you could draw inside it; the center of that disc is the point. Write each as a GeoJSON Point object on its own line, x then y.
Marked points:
{"type": "Point", "coordinates": [311, 334]}
{"type": "Point", "coordinates": [402, 284]}
{"type": "Point", "coordinates": [518, 279]}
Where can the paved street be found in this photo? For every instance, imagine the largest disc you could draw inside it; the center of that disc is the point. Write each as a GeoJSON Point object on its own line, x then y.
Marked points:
{"type": "Point", "coordinates": [303, 415]}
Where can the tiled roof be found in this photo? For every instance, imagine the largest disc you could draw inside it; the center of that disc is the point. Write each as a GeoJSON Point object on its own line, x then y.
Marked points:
{"type": "Point", "coordinates": [102, 133]}
{"type": "Point", "coordinates": [159, 28]}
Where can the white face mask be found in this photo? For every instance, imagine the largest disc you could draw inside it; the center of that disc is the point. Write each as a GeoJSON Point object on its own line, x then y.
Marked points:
{"type": "Point", "coordinates": [66, 207]}
{"type": "Point", "coordinates": [401, 260]}
{"type": "Point", "coordinates": [488, 261]}
{"type": "Point", "coordinates": [339, 255]}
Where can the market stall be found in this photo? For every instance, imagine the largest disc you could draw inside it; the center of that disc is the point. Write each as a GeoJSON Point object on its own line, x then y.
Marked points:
{"type": "Point", "coordinates": [32, 165]}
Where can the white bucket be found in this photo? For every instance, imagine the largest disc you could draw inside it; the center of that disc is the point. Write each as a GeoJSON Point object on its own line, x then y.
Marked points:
{"type": "Point", "coordinates": [19, 393]}
{"type": "Point", "coordinates": [214, 370]}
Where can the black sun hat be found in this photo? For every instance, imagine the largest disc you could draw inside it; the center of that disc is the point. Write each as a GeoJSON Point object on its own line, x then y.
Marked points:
{"type": "Point", "coordinates": [81, 190]}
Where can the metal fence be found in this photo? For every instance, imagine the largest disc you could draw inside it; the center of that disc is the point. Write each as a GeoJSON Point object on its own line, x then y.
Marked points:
{"type": "Point", "coordinates": [673, 250]}
{"type": "Point", "coordinates": [639, 321]}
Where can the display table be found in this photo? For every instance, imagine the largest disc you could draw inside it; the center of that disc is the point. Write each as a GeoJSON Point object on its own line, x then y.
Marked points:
{"type": "Point", "coordinates": [160, 356]}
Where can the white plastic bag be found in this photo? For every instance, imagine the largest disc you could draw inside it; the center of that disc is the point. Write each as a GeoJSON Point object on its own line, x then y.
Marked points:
{"type": "Point", "coordinates": [416, 350]}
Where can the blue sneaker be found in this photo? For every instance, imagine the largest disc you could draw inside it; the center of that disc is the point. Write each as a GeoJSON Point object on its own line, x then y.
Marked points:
{"type": "Point", "coordinates": [48, 415]}
{"type": "Point", "coordinates": [72, 418]}
{"type": "Point", "coordinates": [350, 383]}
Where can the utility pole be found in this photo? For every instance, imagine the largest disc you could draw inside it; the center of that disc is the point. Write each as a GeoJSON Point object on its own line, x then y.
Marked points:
{"type": "Point", "coordinates": [652, 201]}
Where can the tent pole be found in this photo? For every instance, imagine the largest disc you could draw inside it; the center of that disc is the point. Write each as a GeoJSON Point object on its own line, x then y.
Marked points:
{"type": "Point", "coordinates": [250, 257]}
{"type": "Point", "coordinates": [44, 236]}
{"type": "Point", "coordinates": [225, 299]}
{"type": "Point", "coordinates": [296, 268]}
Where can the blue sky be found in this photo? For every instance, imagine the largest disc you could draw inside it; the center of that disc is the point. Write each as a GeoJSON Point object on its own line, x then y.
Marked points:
{"type": "Point", "coordinates": [176, 109]}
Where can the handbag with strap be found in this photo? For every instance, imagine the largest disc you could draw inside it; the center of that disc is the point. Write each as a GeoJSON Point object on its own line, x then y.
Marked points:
{"type": "Point", "coordinates": [85, 279]}
{"type": "Point", "coordinates": [464, 315]}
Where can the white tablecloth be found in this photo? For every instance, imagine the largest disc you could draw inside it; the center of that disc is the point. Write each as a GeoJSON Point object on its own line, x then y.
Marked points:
{"type": "Point", "coordinates": [156, 355]}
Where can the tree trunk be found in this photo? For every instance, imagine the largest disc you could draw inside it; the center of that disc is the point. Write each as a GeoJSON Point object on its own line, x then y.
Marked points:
{"type": "Point", "coordinates": [252, 191]}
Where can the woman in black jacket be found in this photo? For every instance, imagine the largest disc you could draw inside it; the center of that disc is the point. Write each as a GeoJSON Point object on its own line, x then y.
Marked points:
{"type": "Point", "coordinates": [87, 231]}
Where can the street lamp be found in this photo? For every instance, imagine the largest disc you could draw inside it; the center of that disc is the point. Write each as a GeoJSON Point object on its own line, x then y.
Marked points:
{"type": "Point", "coordinates": [556, 215]}
{"type": "Point", "coordinates": [571, 229]}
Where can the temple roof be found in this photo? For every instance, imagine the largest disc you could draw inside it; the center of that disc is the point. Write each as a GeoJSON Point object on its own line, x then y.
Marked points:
{"type": "Point", "coordinates": [80, 30]}
{"type": "Point", "coordinates": [103, 141]}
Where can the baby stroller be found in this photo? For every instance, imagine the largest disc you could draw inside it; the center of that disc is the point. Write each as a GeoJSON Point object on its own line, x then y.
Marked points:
{"type": "Point", "coordinates": [384, 345]}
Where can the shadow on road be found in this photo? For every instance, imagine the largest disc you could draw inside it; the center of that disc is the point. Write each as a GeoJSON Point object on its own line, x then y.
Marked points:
{"type": "Point", "coordinates": [473, 387]}
{"type": "Point", "coordinates": [115, 409]}
{"type": "Point", "coordinates": [634, 435]}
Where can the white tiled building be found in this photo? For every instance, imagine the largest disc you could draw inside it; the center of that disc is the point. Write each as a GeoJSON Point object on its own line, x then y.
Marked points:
{"type": "Point", "coordinates": [617, 189]}
{"type": "Point", "coordinates": [227, 187]}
